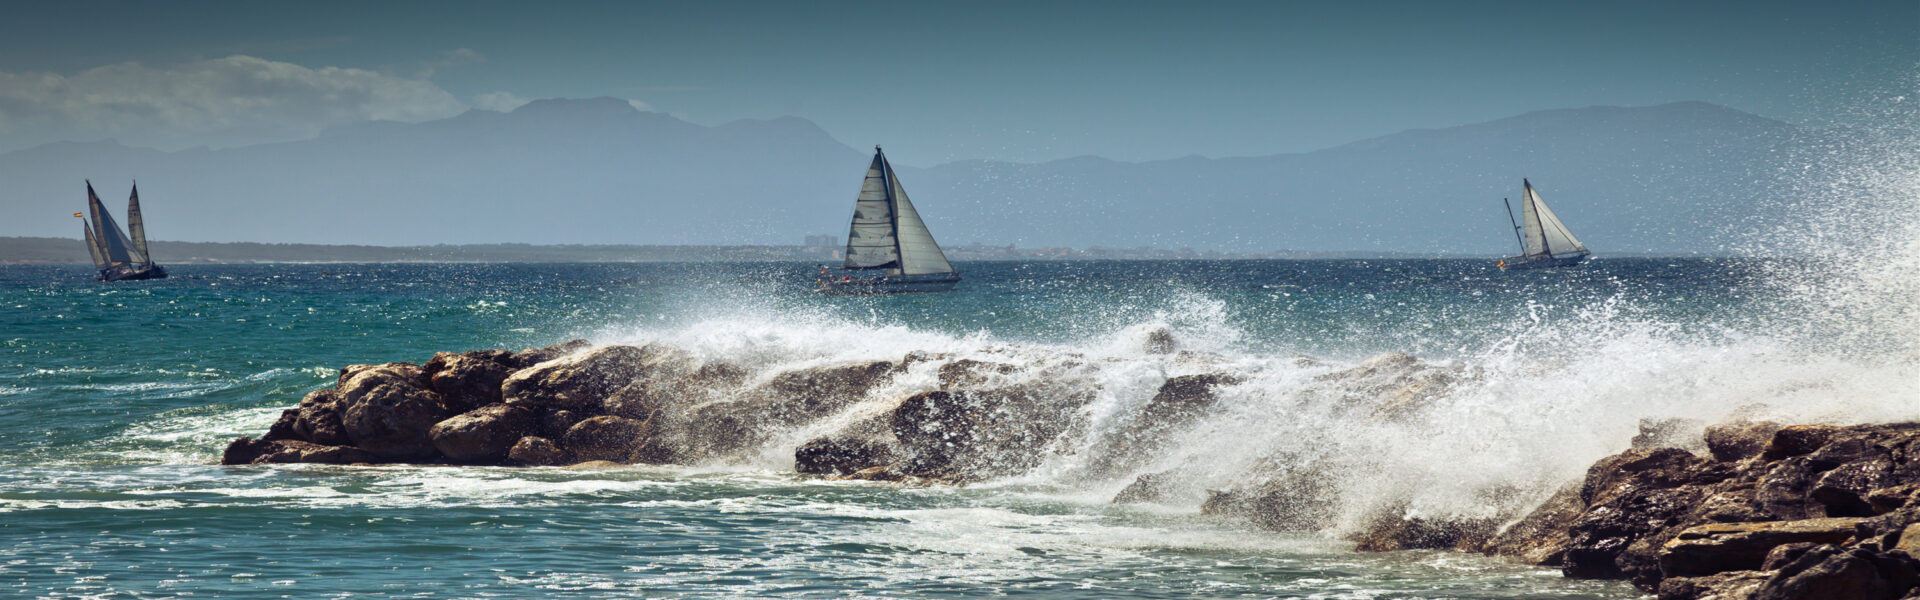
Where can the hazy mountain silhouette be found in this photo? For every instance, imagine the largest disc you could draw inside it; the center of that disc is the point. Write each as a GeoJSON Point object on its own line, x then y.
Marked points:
{"type": "Point", "coordinates": [1664, 178]}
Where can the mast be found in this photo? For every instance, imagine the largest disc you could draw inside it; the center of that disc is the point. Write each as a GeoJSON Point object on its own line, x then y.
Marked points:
{"type": "Point", "coordinates": [136, 226]}
{"type": "Point", "coordinates": [1530, 218]}
{"type": "Point", "coordinates": [1516, 226]}
{"type": "Point", "coordinates": [893, 207]}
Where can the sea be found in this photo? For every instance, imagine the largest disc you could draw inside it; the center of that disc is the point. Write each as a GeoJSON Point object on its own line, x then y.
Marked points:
{"type": "Point", "coordinates": [117, 399]}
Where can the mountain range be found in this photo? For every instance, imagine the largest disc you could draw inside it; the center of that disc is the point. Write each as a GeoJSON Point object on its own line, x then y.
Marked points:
{"type": "Point", "coordinates": [1682, 177]}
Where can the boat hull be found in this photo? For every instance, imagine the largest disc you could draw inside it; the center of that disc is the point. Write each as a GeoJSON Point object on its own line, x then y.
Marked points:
{"type": "Point", "coordinates": [1522, 263]}
{"type": "Point", "coordinates": [895, 284]}
{"type": "Point", "coordinates": [132, 273]}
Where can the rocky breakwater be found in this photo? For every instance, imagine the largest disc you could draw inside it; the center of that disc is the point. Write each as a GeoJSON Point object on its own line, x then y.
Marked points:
{"type": "Point", "coordinates": [1770, 512]}
{"type": "Point", "coordinates": [563, 404]}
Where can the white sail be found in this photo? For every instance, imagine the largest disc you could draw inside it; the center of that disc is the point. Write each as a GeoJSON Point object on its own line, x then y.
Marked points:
{"type": "Point", "coordinates": [1543, 231]}
{"type": "Point", "coordinates": [93, 246]}
{"type": "Point", "coordinates": [137, 227]}
{"type": "Point", "coordinates": [870, 241]}
{"type": "Point", "coordinates": [887, 232]}
{"type": "Point", "coordinates": [919, 254]}
{"type": "Point", "coordinates": [113, 243]}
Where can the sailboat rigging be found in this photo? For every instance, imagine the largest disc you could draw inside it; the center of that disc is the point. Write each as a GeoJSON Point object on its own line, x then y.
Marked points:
{"type": "Point", "coordinates": [887, 233]}
{"type": "Point", "coordinates": [1544, 240]}
{"type": "Point", "coordinates": [116, 256]}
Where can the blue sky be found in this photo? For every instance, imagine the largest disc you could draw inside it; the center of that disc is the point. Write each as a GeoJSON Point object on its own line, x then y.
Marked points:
{"type": "Point", "coordinates": [1022, 81]}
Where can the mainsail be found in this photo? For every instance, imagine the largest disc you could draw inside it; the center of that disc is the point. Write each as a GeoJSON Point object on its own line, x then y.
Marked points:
{"type": "Point", "coordinates": [93, 245]}
{"type": "Point", "coordinates": [887, 232]}
{"type": "Point", "coordinates": [1543, 232]}
{"type": "Point", "coordinates": [112, 243]}
{"type": "Point", "coordinates": [137, 227]}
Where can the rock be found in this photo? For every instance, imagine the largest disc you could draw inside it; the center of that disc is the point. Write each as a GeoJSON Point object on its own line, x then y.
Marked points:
{"type": "Point", "coordinates": [980, 434]}
{"type": "Point", "coordinates": [607, 438]}
{"type": "Point", "coordinates": [319, 418]}
{"type": "Point", "coordinates": [1179, 401]}
{"type": "Point", "coordinates": [970, 373]}
{"type": "Point", "coordinates": [284, 427]}
{"type": "Point", "coordinates": [864, 445]}
{"type": "Point", "coordinates": [242, 451]}
{"type": "Point", "coordinates": [538, 451]}
{"type": "Point", "coordinates": [1633, 500]}
{"type": "Point", "coordinates": [1670, 433]}
{"type": "Point", "coordinates": [1147, 488]}
{"type": "Point", "coordinates": [1796, 440]}
{"type": "Point", "coordinates": [1831, 572]}
{"type": "Point", "coordinates": [388, 411]}
{"type": "Point", "coordinates": [1739, 440]}
{"type": "Point", "coordinates": [296, 451]}
{"type": "Point", "coordinates": [533, 356]}
{"type": "Point", "coordinates": [1160, 341]}
{"type": "Point", "coordinates": [469, 380]}
{"type": "Point", "coordinates": [581, 383]}
{"type": "Point", "coordinates": [1731, 585]}
{"type": "Point", "coordinates": [1783, 554]}
{"type": "Point", "coordinates": [1889, 499]}
{"type": "Point", "coordinates": [882, 473]}
{"type": "Point", "coordinates": [483, 435]}
{"type": "Point", "coordinates": [555, 422]}
{"type": "Point", "coordinates": [1392, 530]}
{"type": "Point", "coordinates": [1719, 547]}
{"type": "Point", "coordinates": [1541, 537]}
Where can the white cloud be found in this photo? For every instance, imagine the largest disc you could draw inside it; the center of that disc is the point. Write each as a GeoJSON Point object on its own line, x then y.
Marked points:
{"type": "Point", "coordinates": [640, 106]}
{"type": "Point", "coordinates": [228, 101]}
{"type": "Point", "coordinates": [499, 101]}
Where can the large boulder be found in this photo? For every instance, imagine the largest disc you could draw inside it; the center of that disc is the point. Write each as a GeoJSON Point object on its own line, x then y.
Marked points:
{"type": "Point", "coordinates": [539, 452]}
{"type": "Point", "coordinates": [469, 380]}
{"type": "Point", "coordinates": [483, 435]}
{"type": "Point", "coordinates": [788, 399]}
{"type": "Point", "coordinates": [607, 438]}
{"type": "Point", "coordinates": [1739, 440]}
{"type": "Point", "coordinates": [1541, 538]}
{"type": "Point", "coordinates": [319, 419]}
{"type": "Point", "coordinates": [389, 410]}
{"type": "Point", "coordinates": [581, 383]}
{"type": "Point", "coordinates": [1832, 572]}
{"type": "Point", "coordinates": [1719, 547]}
{"type": "Point", "coordinates": [533, 356]}
{"type": "Point", "coordinates": [865, 444]}
{"type": "Point", "coordinates": [249, 451]}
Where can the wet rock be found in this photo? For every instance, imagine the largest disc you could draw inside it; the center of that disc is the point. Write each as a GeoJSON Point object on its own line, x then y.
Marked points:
{"type": "Point", "coordinates": [1831, 572]}
{"type": "Point", "coordinates": [970, 436]}
{"type": "Point", "coordinates": [606, 438]}
{"type": "Point", "coordinates": [1670, 433]}
{"type": "Point", "coordinates": [1709, 549]}
{"type": "Point", "coordinates": [881, 473]}
{"type": "Point", "coordinates": [242, 451]}
{"type": "Point", "coordinates": [1783, 554]}
{"type": "Point", "coordinates": [580, 383]}
{"type": "Point", "coordinates": [389, 410]}
{"type": "Point", "coordinates": [970, 373]}
{"type": "Point", "coordinates": [469, 380]}
{"type": "Point", "coordinates": [538, 451]}
{"type": "Point", "coordinates": [1148, 488]}
{"type": "Point", "coordinates": [284, 427]}
{"type": "Point", "coordinates": [1392, 530]}
{"type": "Point", "coordinates": [865, 444]}
{"type": "Point", "coordinates": [1159, 341]}
{"type": "Point", "coordinates": [554, 422]}
{"type": "Point", "coordinates": [319, 418]}
{"type": "Point", "coordinates": [1891, 498]}
{"type": "Point", "coordinates": [1633, 500]}
{"type": "Point", "coordinates": [1796, 440]}
{"type": "Point", "coordinates": [296, 451]}
{"type": "Point", "coordinates": [1739, 440]}
{"type": "Point", "coordinates": [483, 435]}
{"type": "Point", "coordinates": [1179, 401]}
{"type": "Point", "coordinates": [1541, 538]}
{"type": "Point", "coordinates": [1731, 585]}
{"type": "Point", "coordinates": [533, 356]}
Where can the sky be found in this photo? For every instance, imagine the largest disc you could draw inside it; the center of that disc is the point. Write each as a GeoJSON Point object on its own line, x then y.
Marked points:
{"type": "Point", "coordinates": [1010, 81]}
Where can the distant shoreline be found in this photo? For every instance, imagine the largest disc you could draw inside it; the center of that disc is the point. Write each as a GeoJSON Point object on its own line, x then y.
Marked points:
{"type": "Point", "coordinates": [65, 251]}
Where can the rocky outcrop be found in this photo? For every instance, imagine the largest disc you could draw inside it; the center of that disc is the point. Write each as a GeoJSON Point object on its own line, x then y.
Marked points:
{"type": "Point", "coordinates": [389, 410]}
{"type": "Point", "coordinates": [1798, 512]}
{"type": "Point", "coordinates": [483, 435]}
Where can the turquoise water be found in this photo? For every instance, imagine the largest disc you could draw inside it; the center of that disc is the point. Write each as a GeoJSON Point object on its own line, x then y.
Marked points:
{"type": "Point", "coordinates": [115, 401]}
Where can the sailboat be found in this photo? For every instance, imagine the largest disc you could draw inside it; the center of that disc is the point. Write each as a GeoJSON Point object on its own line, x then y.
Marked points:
{"type": "Point", "coordinates": [887, 233]}
{"type": "Point", "coordinates": [118, 257]}
{"type": "Point", "coordinates": [1544, 240]}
